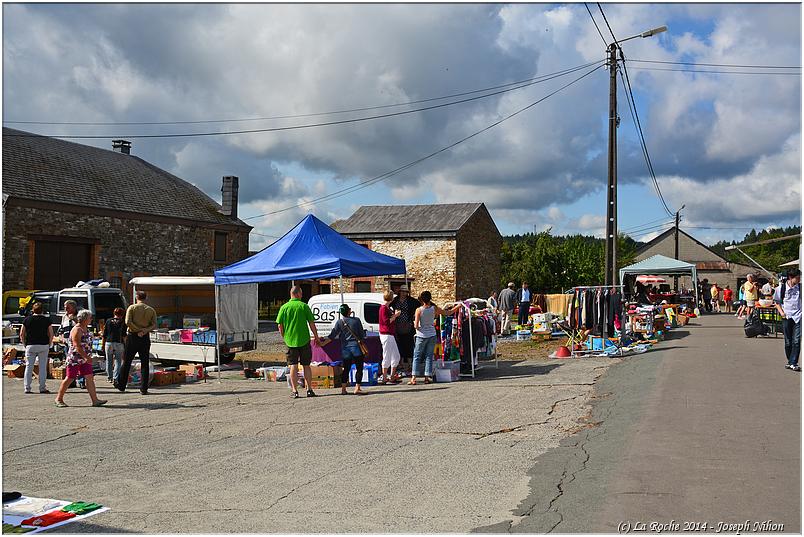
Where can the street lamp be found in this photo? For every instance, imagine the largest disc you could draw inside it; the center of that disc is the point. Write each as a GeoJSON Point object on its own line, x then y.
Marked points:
{"type": "Point", "coordinates": [611, 275]}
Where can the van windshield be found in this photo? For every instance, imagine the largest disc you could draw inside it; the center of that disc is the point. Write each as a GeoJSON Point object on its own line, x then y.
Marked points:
{"type": "Point", "coordinates": [105, 303]}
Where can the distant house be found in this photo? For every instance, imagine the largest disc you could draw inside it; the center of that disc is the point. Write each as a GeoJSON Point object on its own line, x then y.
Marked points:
{"type": "Point", "coordinates": [709, 264]}
{"type": "Point", "coordinates": [74, 212]}
{"type": "Point", "coordinates": [451, 250]}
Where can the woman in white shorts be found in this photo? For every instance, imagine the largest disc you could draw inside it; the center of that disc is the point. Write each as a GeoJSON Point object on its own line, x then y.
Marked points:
{"type": "Point", "coordinates": [390, 352]}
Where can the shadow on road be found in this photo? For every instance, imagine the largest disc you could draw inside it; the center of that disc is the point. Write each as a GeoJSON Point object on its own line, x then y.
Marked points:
{"type": "Point", "coordinates": [510, 370]}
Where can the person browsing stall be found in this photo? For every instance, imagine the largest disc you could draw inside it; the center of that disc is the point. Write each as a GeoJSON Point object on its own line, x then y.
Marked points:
{"type": "Point", "coordinates": [37, 335]}
{"type": "Point", "coordinates": [390, 351]}
{"type": "Point", "coordinates": [506, 301]}
{"type": "Point", "coordinates": [750, 292]}
{"type": "Point", "coordinates": [113, 344]}
{"type": "Point", "coordinates": [406, 306]}
{"type": "Point", "coordinates": [140, 322]}
{"type": "Point", "coordinates": [523, 298]}
{"type": "Point", "coordinates": [424, 323]}
{"type": "Point", "coordinates": [728, 297]}
{"type": "Point", "coordinates": [787, 299]}
{"type": "Point", "coordinates": [295, 320]}
{"type": "Point", "coordinates": [350, 331]}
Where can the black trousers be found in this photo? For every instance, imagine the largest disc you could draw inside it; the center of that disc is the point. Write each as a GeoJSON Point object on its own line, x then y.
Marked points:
{"type": "Point", "coordinates": [136, 345]}
{"type": "Point", "coordinates": [405, 344]}
{"type": "Point", "coordinates": [524, 311]}
{"type": "Point", "coordinates": [347, 366]}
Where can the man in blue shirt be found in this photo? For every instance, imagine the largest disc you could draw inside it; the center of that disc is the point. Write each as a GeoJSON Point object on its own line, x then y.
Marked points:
{"type": "Point", "coordinates": [788, 302]}
{"type": "Point", "coordinates": [523, 297]}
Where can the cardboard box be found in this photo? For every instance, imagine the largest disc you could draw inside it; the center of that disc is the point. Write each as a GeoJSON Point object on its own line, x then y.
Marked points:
{"type": "Point", "coordinates": [162, 378]}
{"type": "Point", "coordinates": [178, 377]}
{"type": "Point", "coordinates": [14, 370]}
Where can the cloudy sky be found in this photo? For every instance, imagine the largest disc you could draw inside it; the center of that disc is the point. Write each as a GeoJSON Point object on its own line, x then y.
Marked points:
{"type": "Point", "coordinates": [726, 145]}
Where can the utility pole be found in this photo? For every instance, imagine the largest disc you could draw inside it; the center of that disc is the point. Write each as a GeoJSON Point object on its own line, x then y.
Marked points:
{"type": "Point", "coordinates": [611, 192]}
{"type": "Point", "coordinates": [675, 278]}
{"type": "Point", "coordinates": [610, 271]}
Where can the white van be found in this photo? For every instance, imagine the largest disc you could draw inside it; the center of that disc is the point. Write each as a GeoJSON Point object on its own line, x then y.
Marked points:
{"type": "Point", "coordinates": [366, 307]}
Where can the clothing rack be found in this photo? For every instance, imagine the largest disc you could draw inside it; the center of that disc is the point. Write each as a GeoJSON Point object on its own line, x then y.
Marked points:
{"type": "Point", "coordinates": [604, 330]}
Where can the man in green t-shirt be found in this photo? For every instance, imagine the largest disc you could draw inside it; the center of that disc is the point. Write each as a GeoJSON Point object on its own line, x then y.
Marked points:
{"type": "Point", "coordinates": [293, 319]}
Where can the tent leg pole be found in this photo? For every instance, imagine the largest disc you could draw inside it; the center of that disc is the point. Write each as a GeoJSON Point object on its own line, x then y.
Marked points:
{"type": "Point", "coordinates": [217, 335]}
{"type": "Point", "coordinates": [340, 286]}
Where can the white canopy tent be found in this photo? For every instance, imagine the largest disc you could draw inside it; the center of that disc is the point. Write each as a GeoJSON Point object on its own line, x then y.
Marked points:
{"type": "Point", "coordinates": [659, 264]}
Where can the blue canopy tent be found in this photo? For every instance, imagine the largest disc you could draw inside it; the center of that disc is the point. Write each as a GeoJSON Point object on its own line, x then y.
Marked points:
{"type": "Point", "coordinates": [311, 250]}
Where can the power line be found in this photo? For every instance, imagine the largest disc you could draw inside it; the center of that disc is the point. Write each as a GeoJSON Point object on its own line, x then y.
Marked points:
{"type": "Point", "coordinates": [714, 71]}
{"type": "Point", "coordinates": [720, 64]}
{"type": "Point", "coordinates": [545, 78]}
{"type": "Point", "coordinates": [645, 229]}
{"type": "Point", "coordinates": [595, 23]}
{"type": "Point", "coordinates": [635, 115]}
{"type": "Point", "coordinates": [606, 21]}
{"type": "Point", "coordinates": [662, 220]}
{"type": "Point", "coordinates": [386, 175]}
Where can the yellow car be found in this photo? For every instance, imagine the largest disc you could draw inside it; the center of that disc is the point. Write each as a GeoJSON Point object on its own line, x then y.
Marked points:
{"type": "Point", "coordinates": [13, 301]}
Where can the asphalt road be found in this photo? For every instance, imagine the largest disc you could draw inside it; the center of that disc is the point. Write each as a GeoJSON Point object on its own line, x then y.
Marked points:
{"type": "Point", "coordinates": [705, 430]}
{"type": "Point", "coordinates": [241, 456]}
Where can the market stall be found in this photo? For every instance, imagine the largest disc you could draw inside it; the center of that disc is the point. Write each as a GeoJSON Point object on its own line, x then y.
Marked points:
{"type": "Point", "coordinates": [311, 250]}
{"type": "Point", "coordinates": [663, 266]}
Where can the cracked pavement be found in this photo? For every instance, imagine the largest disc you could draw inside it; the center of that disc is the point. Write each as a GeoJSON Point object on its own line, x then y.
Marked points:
{"type": "Point", "coordinates": [241, 456]}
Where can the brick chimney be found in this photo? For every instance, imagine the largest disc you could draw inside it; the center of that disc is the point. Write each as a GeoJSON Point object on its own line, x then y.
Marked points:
{"type": "Point", "coordinates": [121, 146]}
{"type": "Point", "coordinates": [229, 196]}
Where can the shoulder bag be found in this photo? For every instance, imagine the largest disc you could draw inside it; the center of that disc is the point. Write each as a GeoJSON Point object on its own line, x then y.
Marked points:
{"type": "Point", "coordinates": [360, 342]}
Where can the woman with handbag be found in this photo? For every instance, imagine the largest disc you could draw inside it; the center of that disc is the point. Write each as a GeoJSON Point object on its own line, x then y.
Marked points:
{"type": "Point", "coordinates": [353, 347]}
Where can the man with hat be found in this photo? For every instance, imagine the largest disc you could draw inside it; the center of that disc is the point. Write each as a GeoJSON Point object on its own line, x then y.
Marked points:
{"type": "Point", "coordinates": [406, 306]}
{"type": "Point", "coordinates": [506, 304]}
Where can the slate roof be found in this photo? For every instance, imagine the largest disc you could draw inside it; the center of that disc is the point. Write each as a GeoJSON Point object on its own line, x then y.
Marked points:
{"type": "Point", "coordinates": [51, 170]}
{"type": "Point", "coordinates": [407, 220]}
{"type": "Point", "coordinates": [670, 231]}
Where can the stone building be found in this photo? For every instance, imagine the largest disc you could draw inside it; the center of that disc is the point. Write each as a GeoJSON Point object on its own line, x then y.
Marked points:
{"type": "Point", "coordinates": [452, 250]}
{"type": "Point", "coordinates": [74, 212]}
{"type": "Point", "coordinates": [709, 264]}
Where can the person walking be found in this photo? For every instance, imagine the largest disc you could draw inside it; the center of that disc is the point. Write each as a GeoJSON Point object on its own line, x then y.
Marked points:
{"type": "Point", "coordinates": [295, 320]}
{"type": "Point", "coordinates": [424, 322]}
{"type": "Point", "coordinates": [140, 322]}
{"type": "Point", "coordinates": [79, 360]}
{"type": "Point", "coordinates": [390, 351]}
{"type": "Point", "coordinates": [406, 306]}
{"type": "Point", "coordinates": [113, 344]}
{"type": "Point", "coordinates": [706, 295]}
{"type": "Point", "coordinates": [741, 299]}
{"type": "Point", "coordinates": [350, 331]}
{"type": "Point", "coordinates": [507, 298]}
{"type": "Point", "coordinates": [523, 297]}
{"type": "Point", "coordinates": [715, 294]}
{"type": "Point", "coordinates": [750, 294]}
{"type": "Point", "coordinates": [787, 299]}
{"type": "Point", "coordinates": [728, 297]}
{"type": "Point", "coordinates": [37, 335]}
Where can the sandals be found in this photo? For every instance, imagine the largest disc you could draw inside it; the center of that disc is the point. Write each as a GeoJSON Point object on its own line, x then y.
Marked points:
{"type": "Point", "coordinates": [294, 395]}
{"type": "Point", "coordinates": [411, 383]}
{"type": "Point", "coordinates": [99, 402]}
{"type": "Point", "coordinates": [427, 380]}
{"type": "Point", "coordinates": [60, 404]}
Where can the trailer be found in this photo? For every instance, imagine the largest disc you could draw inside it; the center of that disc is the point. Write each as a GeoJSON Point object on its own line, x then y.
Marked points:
{"type": "Point", "coordinates": [197, 321]}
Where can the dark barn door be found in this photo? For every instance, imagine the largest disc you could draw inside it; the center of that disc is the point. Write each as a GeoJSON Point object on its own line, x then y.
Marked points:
{"type": "Point", "coordinates": [60, 264]}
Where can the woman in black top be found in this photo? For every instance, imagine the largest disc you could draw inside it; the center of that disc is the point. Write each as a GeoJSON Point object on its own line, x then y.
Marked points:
{"type": "Point", "coordinates": [113, 344]}
{"type": "Point", "coordinates": [37, 335]}
{"type": "Point", "coordinates": [406, 306]}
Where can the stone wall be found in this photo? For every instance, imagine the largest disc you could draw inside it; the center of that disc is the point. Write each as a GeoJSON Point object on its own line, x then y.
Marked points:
{"type": "Point", "coordinates": [478, 256]}
{"type": "Point", "coordinates": [430, 263]}
{"type": "Point", "coordinates": [125, 246]}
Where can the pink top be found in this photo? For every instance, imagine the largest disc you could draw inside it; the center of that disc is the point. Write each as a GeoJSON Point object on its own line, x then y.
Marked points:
{"type": "Point", "coordinates": [386, 326]}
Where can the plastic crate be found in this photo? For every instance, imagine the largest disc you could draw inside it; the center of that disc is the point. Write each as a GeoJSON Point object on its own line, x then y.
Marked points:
{"type": "Point", "coordinates": [447, 371]}
{"type": "Point", "coordinates": [371, 373]}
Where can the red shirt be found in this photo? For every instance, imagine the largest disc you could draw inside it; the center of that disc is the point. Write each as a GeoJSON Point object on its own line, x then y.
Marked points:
{"type": "Point", "coordinates": [386, 325]}
{"type": "Point", "coordinates": [727, 295]}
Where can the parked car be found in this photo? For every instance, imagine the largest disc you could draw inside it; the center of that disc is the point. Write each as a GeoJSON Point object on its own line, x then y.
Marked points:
{"type": "Point", "coordinates": [15, 299]}
{"type": "Point", "coordinates": [49, 300]}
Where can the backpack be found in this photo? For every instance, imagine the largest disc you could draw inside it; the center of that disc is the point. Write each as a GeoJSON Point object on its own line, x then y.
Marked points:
{"type": "Point", "coordinates": [753, 326]}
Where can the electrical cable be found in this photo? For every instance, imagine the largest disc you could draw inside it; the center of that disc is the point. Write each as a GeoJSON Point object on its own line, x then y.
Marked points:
{"type": "Point", "coordinates": [606, 21]}
{"type": "Point", "coordinates": [595, 23]}
{"type": "Point", "coordinates": [649, 228]}
{"type": "Point", "coordinates": [711, 71]}
{"type": "Point", "coordinates": [635, 115]}
{"type": "Point", "coordinates": [650, 222]}
{"type": "Point", "coordinates": [386, 175]}
{"type": "Point", "coordinates": [720, 64]}
{"type": "Point", "coordinates": [506, 88]}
